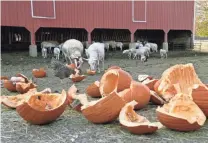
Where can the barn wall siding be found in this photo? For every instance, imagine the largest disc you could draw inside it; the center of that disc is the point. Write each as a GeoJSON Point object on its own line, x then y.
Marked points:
{"type": "Point", "coordinates": [162, 15]}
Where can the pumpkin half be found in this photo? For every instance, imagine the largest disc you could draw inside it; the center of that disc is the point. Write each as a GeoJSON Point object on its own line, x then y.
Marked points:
{"type": "Point", "coordinates": [156, 99]}
{"type": "Point", "coordinates": [137, 92]}
{"type": "Point", "coordinates": [181, 114]}
{"type": "Point", "coordinates": [24, 87]}
{"type": "Point", "coordinates": [77, 78]}
{"type": "Point", "coordinates": [39, 73]}
{"type": "Point", "coordinates": [89, 72]}
{"type": "Point", "coordinates": [93, 89]}
{"type": "Point", "coordinates": [183, 75]}
{"type": "Point", "coordinates": [42, 108]}
{"type": "Point", "coordinates": [104, 110]}
{"type": "Point", "coordinates": [114, 80]}
{"type": "Point", "coordinates": [14, 101]}
{"type": "Point", "coordinates": [200, 97]}
{"type": "Point", "coordinates": [135, 123]}
{"type": "Point", "coordinates": [8, 84]}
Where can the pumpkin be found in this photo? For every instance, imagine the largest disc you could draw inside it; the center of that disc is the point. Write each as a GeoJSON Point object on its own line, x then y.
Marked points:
{"type": "Point", "coordinates": [135, 123]}
{"type": "Point", "coordinates": [178, 79]}
{"type": "Point", "coordinates": [39, 73]}
{"type": "Point", "coordinates": [143, 77]}
{"type": "Point", "coordinates": [42, 108]}
{"type": "Point", "coordinates": [23, 76]}
{"type": "Point", "coordinates": [150, 83]}
{"type": "Point", "coordinates": [77, 77]}
{"type": "Point", "coordinates": [137, 92]}
{"type": "Point", "coordinates": [93, 89]}
{"type": "Point", "coordinates": [114, 80]}
{"type": "Point", "coordinates": [113, 67]}
{"type": "Point", "coordinates": [8, 84]}
{"type": "Point", "coordinates": [104, 110]}
{"type": "Point", "coordinates": [156, 99]}
{"type": "Point", "coordinates": [89, 72]}
{"type": "Point", "coordinates": [4, 78]}
{"type": "Point", "coordinates": [200, 97]}
{"type": "Point", "coordinates": [24, 87]}
{"type": "Point", "coordinates": [13, 101]}
{"type": "Point", "coordinates": [72, 66]}
{"type": "Point", "coordinates": [181, 114]}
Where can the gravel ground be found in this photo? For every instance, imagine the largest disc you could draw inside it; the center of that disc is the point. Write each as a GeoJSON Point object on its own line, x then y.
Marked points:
{"type": "Point", "coordinates": [72, 126]}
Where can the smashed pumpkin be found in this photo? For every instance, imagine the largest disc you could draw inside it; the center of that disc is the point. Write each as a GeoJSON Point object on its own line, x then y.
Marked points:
{"type": "Point", "coordinates": [77, 77]}
{"type": "Point", "coordinates": [93, 89]}
{"type": "Point", "coordinates": [42, 108]}
{"type": "Point", "coordinates": [24, 87]}
{"type": "Point", "coordinates": [104, 110]}
{"type": "Point", "coordinates": [137, 92]}
{"type": "Point", "coordinates": [114, 80]}
{"type": "Point", "coordinates": [156, 99]}
{"type": "Point", "coordinates": [143, 77]}
{"type": "Point", "coordinates": [135, 123]}
{"type": "Point", "coordinates": [39, 73]}
{"type": "Point", "coordinates": [181, 114]}
{"type": "Point", "coordinates": [89, 72]}
{"type": "Point", "coordinates": [177, 79]}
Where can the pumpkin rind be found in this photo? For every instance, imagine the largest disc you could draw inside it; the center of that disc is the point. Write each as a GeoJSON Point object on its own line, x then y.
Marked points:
{"type": "Point", "coordinates": [39, 73]}
{"type": "Point", "coordinates": [200, 97]}
{"type": "Point", "coordinates": [105, 110]}
{"type": "Point", "coordinates": [77, 78]}
{"type": "Point", "coordinates": [93, 89]}
{"type": "Point", "coordinates": [9, 85]}
{"type": "Point", "coordinates": [38, 117]}
{"type": "Point", "coordinates": [24, 87]}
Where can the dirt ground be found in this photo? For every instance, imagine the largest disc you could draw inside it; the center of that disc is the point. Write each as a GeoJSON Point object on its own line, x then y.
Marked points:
{"type": "Point", "coordinates": [72, 126]}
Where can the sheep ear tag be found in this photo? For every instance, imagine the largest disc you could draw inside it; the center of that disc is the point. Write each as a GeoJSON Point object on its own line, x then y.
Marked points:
{"type": "Point", "coordinates": [75, 103]}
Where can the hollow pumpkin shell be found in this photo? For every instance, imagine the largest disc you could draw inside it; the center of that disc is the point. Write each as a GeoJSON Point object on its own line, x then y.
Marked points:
{"type": "Point", "coordinates": [24, 87]}
{"type": "Point", "coordinates": [104, 110]}
{"type": "Point", "coordinates": [150, 83]}
{"type": "Point", "coordinates": [137, 92]}
{"type": "Point", "coordinates": [39, 73]}
{"type": "Point", "coordinates": [156, 99]}
{"type": "Point", "coordinates": [93, 89]}
{"type": "Point", "coordinates": [143, 77]}
{"type": "Point", "coordinates": [181, 114]}
{"type": "Point", "coordinates": [77, 78]}
{"type": "Point", "coordinates": [23, 76]}
{"type": "Point", "coordinates": [9, 85]}
{"type": "Point", "coordinates": [135, 123]}
{"type": "Point", "coordinates": [14, 101]}
{"type": "Point", "coordinates": [114, 80]}
{"type": "Point", "coordinates": [89, 72]}
{"type": "Point", "coordinates": [200, 97]}
{"type": "Point", "coordinates": [43, 108]}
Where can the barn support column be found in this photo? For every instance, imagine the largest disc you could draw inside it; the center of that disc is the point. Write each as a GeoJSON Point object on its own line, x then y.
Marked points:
{"type": "Point", "coordinates": [165, 43]}
{"type": "Point", "coordinates": [89, 37]}
{"type": "Point", "coordinates": [33, 47]}
{"type": "Point", "coordinates": [132, 37]}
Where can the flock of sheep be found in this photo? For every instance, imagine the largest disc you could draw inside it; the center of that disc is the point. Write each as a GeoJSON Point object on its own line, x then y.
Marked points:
{"type": "Point", "coordinates": [73, 50]}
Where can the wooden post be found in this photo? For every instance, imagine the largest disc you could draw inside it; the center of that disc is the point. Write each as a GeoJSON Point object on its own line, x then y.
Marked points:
{"type": "Point", "coordinates": [89, 37]}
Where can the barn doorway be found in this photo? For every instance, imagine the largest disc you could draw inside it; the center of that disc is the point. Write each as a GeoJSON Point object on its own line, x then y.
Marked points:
{"type": "Point", "coordinates": [14, 39]}
{"type": "Point", "coordinates": [179, 39]}
{"type": "Point", "coordinates": [118, 35]}
{"type": "Point", "coordinates": [155, 36]}
{"type": "Point", "coordinates": [59, 34]}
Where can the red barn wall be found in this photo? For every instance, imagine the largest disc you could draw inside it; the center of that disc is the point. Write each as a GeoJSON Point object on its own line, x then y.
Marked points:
{"type": "Point", "coordinates": [163, 15]}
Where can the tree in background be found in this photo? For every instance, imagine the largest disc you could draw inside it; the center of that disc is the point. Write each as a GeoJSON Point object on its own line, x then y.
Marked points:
{"type": "Point", "coordinates": [202, 18]}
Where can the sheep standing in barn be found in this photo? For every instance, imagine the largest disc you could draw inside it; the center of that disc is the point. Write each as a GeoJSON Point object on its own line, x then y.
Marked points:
{"type": "Point", "coordinates": [107, 45]}
{"type": "Point", "coordinates": [120, 45]}
{"type": "Point", "coordinates": [152, 46]}
{"type": "Point", "coordinates": [142, 53]}
{"type": "Point", "coordinates": [113, 45]}
{"type": "Point", "coordinates": [163, 53]}
{"type": "Point", "coordinates": [96, 54]}
{"type": "Point", "coordinates": [73, 50]}
{"type": "Point", "coordinates": [49, 44]}
{"type": "Point", "coordinates": [44, 52]}
{"type": "Point", "coordinates": [56, 52]}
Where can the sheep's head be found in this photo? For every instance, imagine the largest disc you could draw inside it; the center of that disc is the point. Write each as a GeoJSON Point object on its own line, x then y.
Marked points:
{"type": "Point", "coordinates": [93, 64]}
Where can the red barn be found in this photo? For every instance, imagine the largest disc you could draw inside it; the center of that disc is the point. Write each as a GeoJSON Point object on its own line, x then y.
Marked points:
{"type": "Point", "coordinates": [30, 22]}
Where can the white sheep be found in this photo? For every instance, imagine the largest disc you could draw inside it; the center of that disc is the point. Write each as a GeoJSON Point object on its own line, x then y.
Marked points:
{"type": "Point", "coordinates": [44, 52]}
{"type": "Point", "coordinates": [107, 45]}
{"type": "Point", "coordinates": [73, 50]}
{"type": "Point", "coordinates": [113, 45]}
{"type": "Point", "coordinates": [152, 46]}
{"type": "Point", "coordinates": [56, 52]}
{"type": "Point", "coordinates": [120, 45]}
{"type": "Point", "coordinates": [96, 54]}
{"type": "Point", "coordinates": [163, 53]}
{"type": "Point", "coordinates": [49, 44]}
{"type": "Point", "coordinates": [140, 52]}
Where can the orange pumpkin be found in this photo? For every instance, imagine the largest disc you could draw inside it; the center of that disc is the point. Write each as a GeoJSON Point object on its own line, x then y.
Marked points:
{"type": "Point", "coordinates": [93, 89]}
{"type": "Point", "coordinates": [89, 72]}
{"type": "Point", "coordinates": [39, 73]}
{"type": "Point", "coordinates": [77, 78]}
{"type": "Point", "coordinates": [135, 123]}
{"type": "Point", "coordinates": [137, 92]}
{"type": "Point", "coordinates": [181, 114]}
{"type": "Point", "coordinates": [156, 99]}
{"type": "Point", "coordinates": [104, 110]}
{"type": "Point", "coordinates": [150, 83]}
{"type": "Point", "coordinates": [9, 85]}
{"type": "Point", "coordinates": [114, 80]}
{"type": "Point", "coordinates": [72, 66]}
{"type": "Point", "coordinates": [42, 108]}
{"type": "Point", "coordinates": [24, 87]}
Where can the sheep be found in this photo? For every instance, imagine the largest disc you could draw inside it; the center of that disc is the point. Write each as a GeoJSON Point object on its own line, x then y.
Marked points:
{"type": "Point", "coordinates": [73, 50]}
{"type": "Point", "coordinates": [152, 46]}
{"type": "Point", "coordinates": [56, 52]}
{"type": "Point", "coordinates": [140, 52]}
{"type": "Point", "coordinates": [163, 53]}
{"type": "Point", "coordinates": [107, 45]}
{"type": "Point", "coordinates": [96, 54]}
{"type": "Point", "coordinates": [113, 45]}
{"type": "Point", "coordinates": [120, 45]}
{"type": "Point", "coordinates": [44, 52]}
{"type": "Point", "coordinates": [49, 44]}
